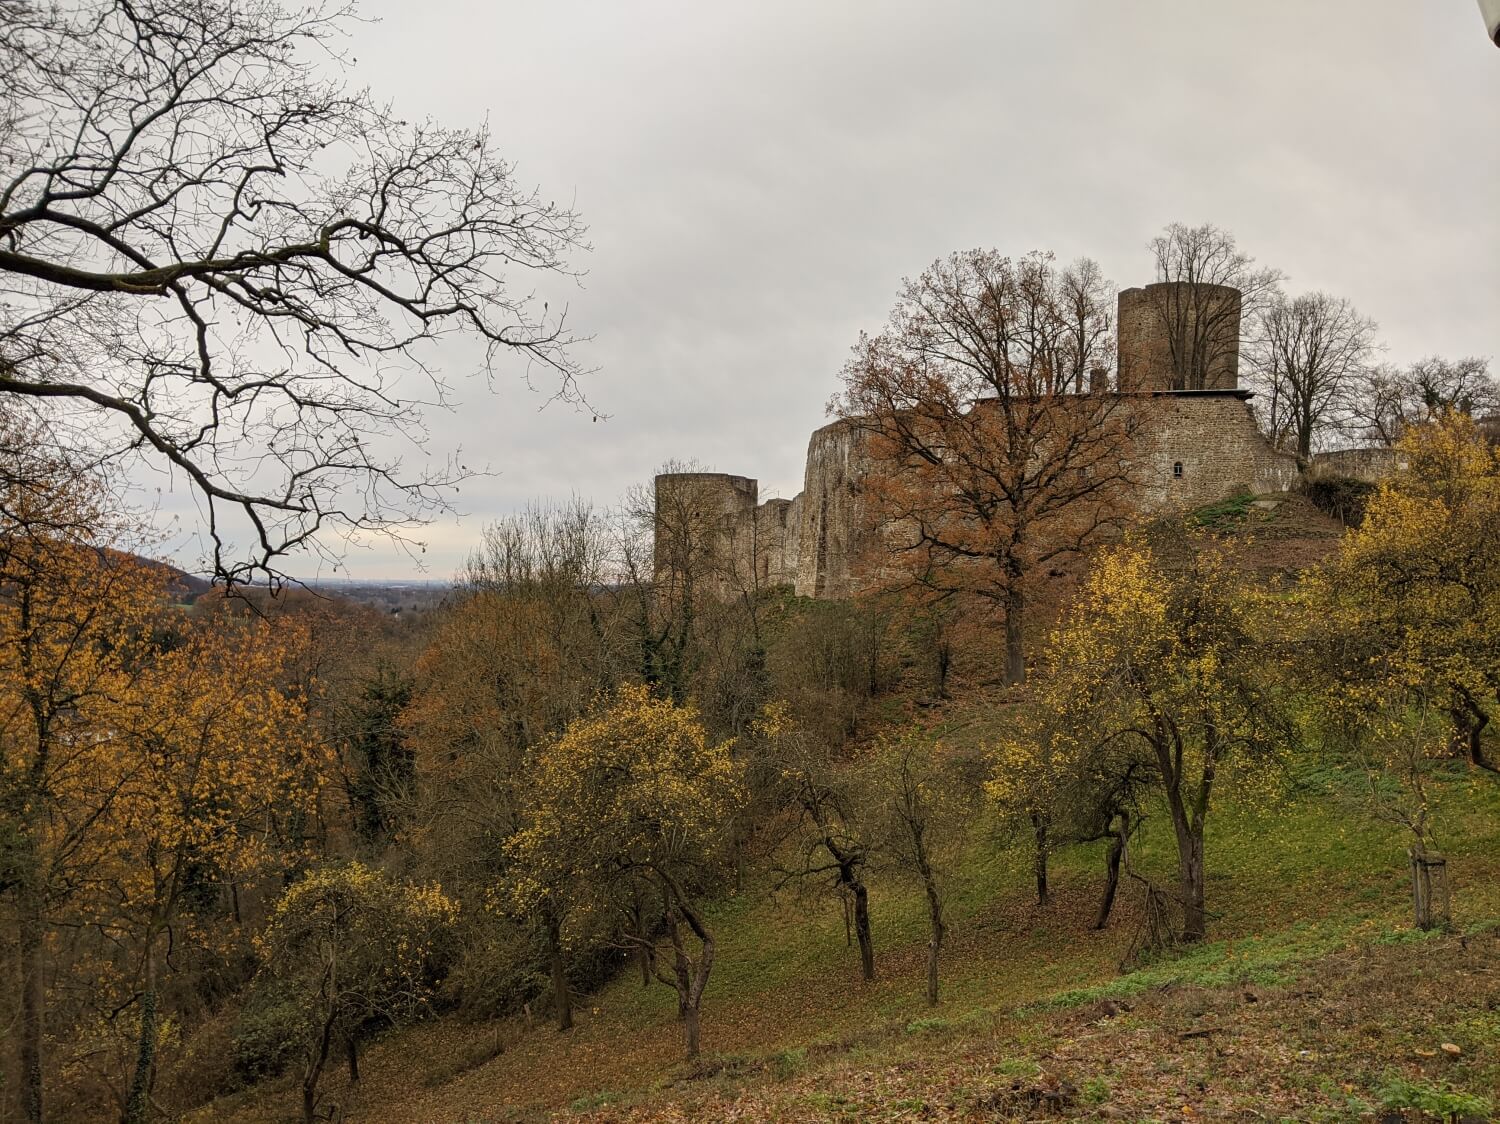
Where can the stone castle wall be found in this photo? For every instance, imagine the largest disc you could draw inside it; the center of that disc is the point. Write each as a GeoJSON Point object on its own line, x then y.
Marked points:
{"type": "Point", "coordinates": [1370, 465]}
{"type": "Point", "coordinates": [830, 540]}
{"type": "Point", "coordinates": [1194, 446]}
{"type": "Point", "coordinates": [704, 529]}
{"type": "Point", "coordinates": [778, 525]}
{"type": "Point", "coordinates": [710, 525]}
{"type": "Point", "coordinates": [1146, 320]}
{"type": "Point", "coordinates": [1199, 447]}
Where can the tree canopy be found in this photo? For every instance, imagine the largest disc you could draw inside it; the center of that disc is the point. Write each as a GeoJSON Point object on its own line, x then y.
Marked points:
{"type": "Point", "coordinates": [215, 255]}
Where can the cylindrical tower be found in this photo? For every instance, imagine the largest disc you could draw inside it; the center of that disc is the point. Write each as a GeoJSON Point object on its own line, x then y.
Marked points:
{"type": "Point", "coordinates": [705, 530]}
{"type": "Point", "coordinates": [1179, 335]}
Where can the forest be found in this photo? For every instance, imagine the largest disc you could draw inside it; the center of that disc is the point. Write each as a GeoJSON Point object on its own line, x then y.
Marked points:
{"type": "Point", "coordinates": [247, 836]}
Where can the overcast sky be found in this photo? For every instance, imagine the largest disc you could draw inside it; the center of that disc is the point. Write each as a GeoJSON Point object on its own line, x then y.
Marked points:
{"type": "Point", "coordinates": [759, 176]}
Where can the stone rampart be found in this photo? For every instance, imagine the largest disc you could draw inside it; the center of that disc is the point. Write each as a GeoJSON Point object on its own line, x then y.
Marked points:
{"type": "Point", "coordinates": [1196, 443]}
{"type": "Point", "coordinates": [1371, 465]}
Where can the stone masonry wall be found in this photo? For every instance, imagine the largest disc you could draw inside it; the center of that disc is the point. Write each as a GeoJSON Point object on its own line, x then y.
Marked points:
{"type": "Point", "coordinates": [705, 524]}
{"type": "Point", "coordinates": [1197, 448]}
{"type": "Point", "coordinates": [776, 535]}
{"type": "Point", "coordinates": [1371, 465]}
{"type": "Point", "coordinates": [831, 516]}
{"type": "Point", "coordinates": [1194, 448]}
{"type": "Point", "coordinates": [1145, 346]}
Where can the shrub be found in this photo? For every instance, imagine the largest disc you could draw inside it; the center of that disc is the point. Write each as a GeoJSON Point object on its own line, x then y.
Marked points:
{"type": "Point", "coordinates": [1436, 1099]}
{"type": "Point", "coordinates": [498, 971]}
{"type": "Point", "coordinates": [1223, 515]}
{"type": "Point", "coordinates": [1343, 497]}
{"type": "Point", "coordinates": [269, 1031]}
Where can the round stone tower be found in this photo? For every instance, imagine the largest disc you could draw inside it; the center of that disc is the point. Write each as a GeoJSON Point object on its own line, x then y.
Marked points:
{"type": "Point", "coordinates": [705, 528]}
{"type": "Point", "coordinates": [1179, 335]}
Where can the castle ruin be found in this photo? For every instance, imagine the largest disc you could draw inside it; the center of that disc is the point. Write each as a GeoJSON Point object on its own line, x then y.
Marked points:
{"type": "Point", "coordinates": [1197, 443]}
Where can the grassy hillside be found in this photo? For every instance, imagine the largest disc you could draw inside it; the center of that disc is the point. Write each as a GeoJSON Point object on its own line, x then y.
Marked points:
{"type": "Point", "coordinates": [1313, 1000]}
{"type": "Point", "coordinates": [1305, 892]}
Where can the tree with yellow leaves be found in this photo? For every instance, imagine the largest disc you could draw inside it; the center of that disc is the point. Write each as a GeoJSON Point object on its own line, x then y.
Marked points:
{"type": "Point", "coordinates": [1403, 634]}
{"type": "Point", "coordinates": [1043, 784]}
{"type": "Point", "coordinates": [75, 630]}
{"type": "Point", "coordinates": [216, 749]}
{"type": "Point", "coordinates": [144, 758]}
{"type": "Point", "coordinates": [1413, 596]}
{"type": "Point", "coordinates": [1162, 667]}
{"type": "Point", "coordinates": [360, 950]}
{"type": "Point", "coordinates": [633, 799]}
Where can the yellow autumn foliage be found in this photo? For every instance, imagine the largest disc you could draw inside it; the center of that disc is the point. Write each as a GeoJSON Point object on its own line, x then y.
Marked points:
{"type": "Point", "coordinates": [634, 785]}
{"type": "Point", "coordinates": [1409, 609]}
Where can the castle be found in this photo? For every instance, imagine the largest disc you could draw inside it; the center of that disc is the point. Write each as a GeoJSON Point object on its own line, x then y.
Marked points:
{"type": "Point", "coordinates": [1198, 443]}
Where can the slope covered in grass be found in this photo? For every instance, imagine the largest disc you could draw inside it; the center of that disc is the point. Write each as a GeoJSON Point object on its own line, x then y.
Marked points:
{"type": "Point", "coordinates": [1301, 885]}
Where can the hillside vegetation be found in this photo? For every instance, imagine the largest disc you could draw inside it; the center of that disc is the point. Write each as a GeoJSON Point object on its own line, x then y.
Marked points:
{"type": "Point", "coordinates": [634, 850]}
{"type": "Point", "coordinates": [1315, 999]}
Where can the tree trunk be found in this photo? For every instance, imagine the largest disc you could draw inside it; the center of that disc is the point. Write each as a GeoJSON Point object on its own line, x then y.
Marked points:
{"type": "Point", "coordinates": [688, 977]}
{"type": "Point", "coordinates": [138, 1100]}
{"type": "Point", "coordinates": [1190, 883]}
{"type": "Point", "coordinates": [1304, 439]}
{"type": "Point", "coordinates": [1469, 722]}
{"type": "Point", "coordinates": [1112, 874]}
{"type": "Point", "coordinates": [944, 654]}
{"type": "Point", "coordinates": [1039, 826]}
{"type": "Point", "coordinates": [562, 1002]}
{"type": "Point", "coordinates": [690, 1028]}
{"type": "Point", "coordinates": [1429, 889]}
{"type": "Point", "coordinates": [862, 930]}
{"type": "Point", "coordinates": [33, 1000]}
{"type": "Point", "coordinates": [642, 952]}
{"type": "Point", "coordinates": [1015, 638]}
{"type": "Point", "coordinates": [935, 941]}
{"type": "Point", "coordinates": [351, 1052]}
{"type": "Point", "coordinates": [314, 1072]}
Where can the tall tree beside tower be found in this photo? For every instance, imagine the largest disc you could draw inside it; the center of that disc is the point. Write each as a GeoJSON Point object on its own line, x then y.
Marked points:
{"type": "Point", "coordinates": [1202, 329]}
{"type": "Point", "coordinates": [988, 466]}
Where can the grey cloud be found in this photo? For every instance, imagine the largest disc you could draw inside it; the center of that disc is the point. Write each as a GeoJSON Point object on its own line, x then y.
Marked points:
{"type": "Point", "coordinates": [758, 178]}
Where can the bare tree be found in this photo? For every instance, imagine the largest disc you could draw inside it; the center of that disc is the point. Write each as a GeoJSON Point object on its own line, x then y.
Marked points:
{"type": "Point", "coordinates": [831, 830]}
{"type": "Point", "coordinates": [1202, 329]}
{"type": "Point", "coordinates": [1085, 297]}
{"type": "Point", "coordinates": [986, 465]}
{"type": "Point", "coordinates": [1378, 405]}
{"type": "Point", "coordinates": [1388, 401]}
{"type": "Point", "coordinates": [1308, 353]}
{"type": "Point", "coordinates": [220, 258]}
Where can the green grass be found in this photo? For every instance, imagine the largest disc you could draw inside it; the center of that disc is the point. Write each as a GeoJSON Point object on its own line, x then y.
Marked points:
{"type": "Point", "coordinates": [1292, 877]}
{"type": "Point", "coordinates": [1288, 881]}
{"type": "Point", "coordinates": [1223, 515]}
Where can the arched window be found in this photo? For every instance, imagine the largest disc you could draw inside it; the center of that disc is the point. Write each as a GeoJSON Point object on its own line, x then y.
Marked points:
{"type": "Point", "coordinates": [1177, 470]}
